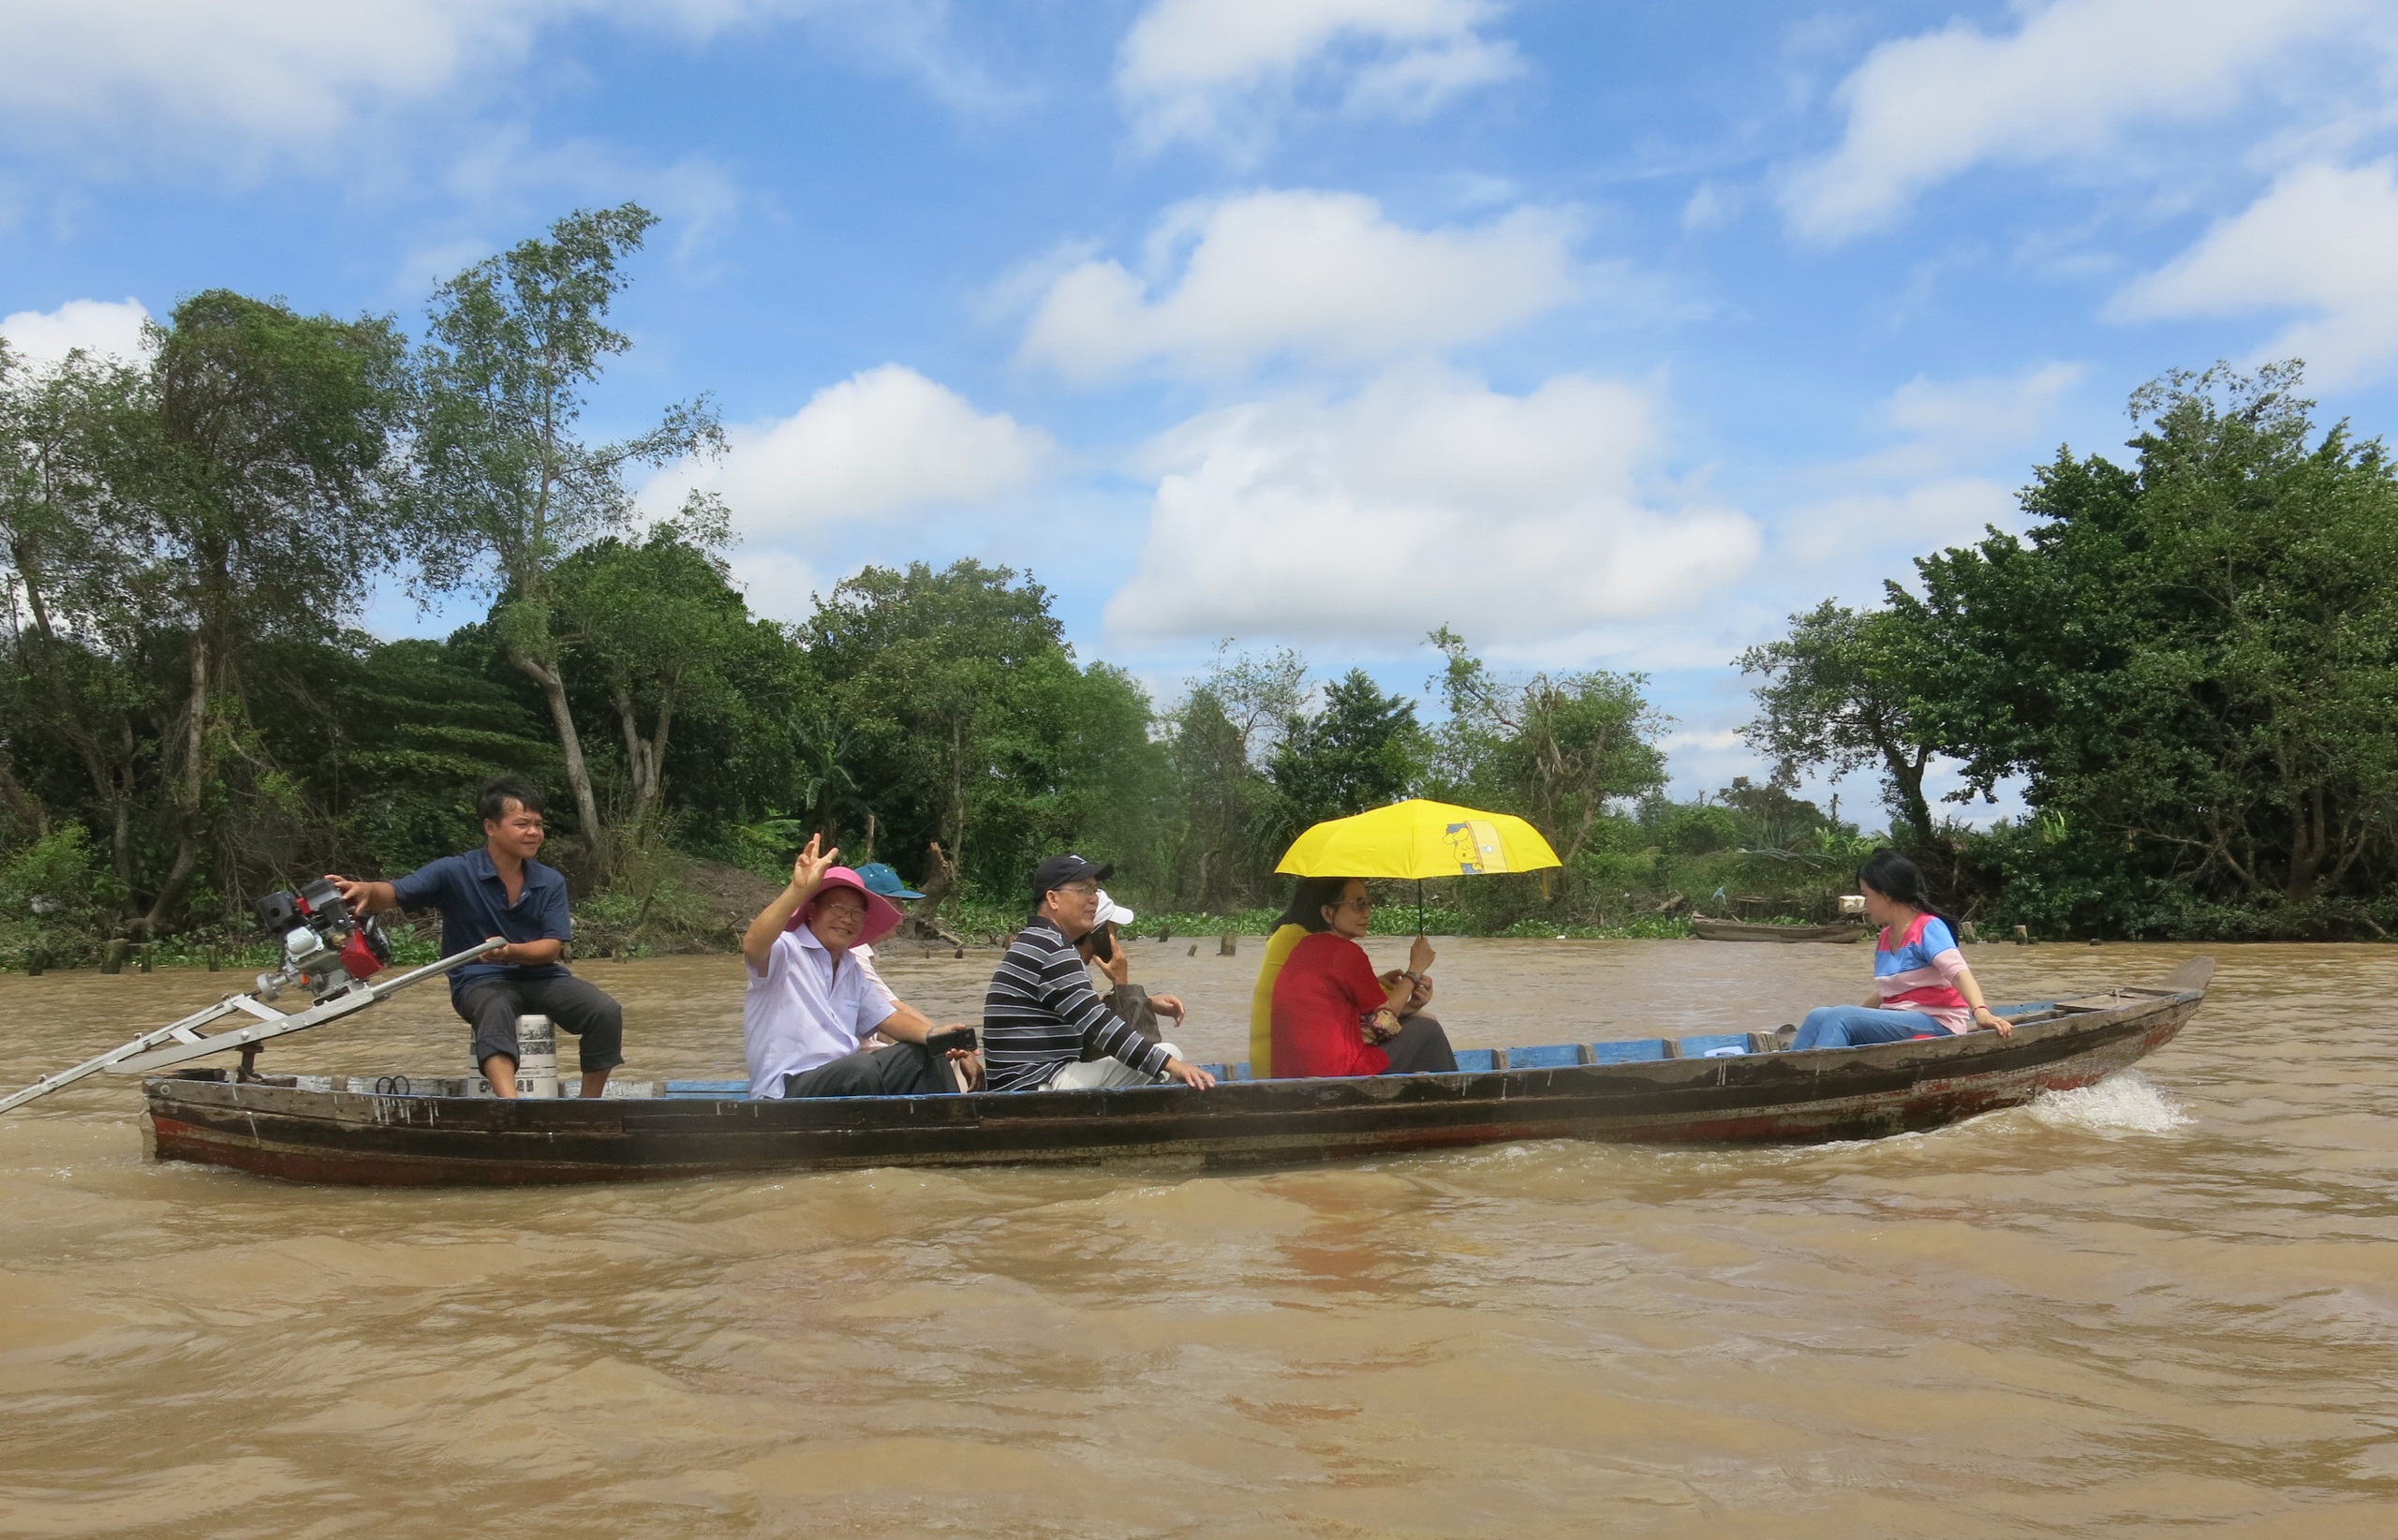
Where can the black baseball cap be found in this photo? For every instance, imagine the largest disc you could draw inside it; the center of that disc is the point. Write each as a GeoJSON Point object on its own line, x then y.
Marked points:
{"type": "Point", "coordinates": [1058, 870]}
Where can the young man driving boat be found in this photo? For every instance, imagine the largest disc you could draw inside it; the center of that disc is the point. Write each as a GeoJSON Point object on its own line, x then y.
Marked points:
{"type": "Point", "coordinates": [501, 893]}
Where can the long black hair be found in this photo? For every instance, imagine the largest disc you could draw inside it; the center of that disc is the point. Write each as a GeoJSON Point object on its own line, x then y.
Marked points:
{"type": "Point", "coordinates": [1309, 899]}
{"type": "Point", "coordinates": [1895, 876]}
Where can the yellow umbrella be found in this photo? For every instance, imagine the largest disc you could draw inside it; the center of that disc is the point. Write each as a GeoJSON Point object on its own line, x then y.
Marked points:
{"type": "Point", "coordinates": [1418, 838]}
{"type": "Point", "coordinates": [1407, 839]}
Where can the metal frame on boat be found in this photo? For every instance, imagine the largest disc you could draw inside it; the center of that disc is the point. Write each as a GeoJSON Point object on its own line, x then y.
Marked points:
{"type": "Point", "coordinates": [380, 1131]}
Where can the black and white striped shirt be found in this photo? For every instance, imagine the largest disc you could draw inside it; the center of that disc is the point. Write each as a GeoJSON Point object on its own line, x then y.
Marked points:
{"type": "Point", "coordinates": [1041, 1009]}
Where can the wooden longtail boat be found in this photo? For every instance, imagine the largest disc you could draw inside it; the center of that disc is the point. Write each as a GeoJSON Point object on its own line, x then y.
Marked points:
{"type": "Point", "coordinates": [1732, 1089]}
{"type": "Point", "coordinates": [1739, 930]}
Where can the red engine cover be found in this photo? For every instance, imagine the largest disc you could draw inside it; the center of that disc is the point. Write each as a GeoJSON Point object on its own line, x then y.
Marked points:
{"type": "Point", "coordinates": [358, 960]}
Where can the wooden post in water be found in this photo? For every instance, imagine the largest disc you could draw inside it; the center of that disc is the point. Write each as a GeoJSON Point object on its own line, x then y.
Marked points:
{"type": "Point", "coordinates": [35, 960]}
{"type": "Point", "coordinates": [113, 954]}
{"type": "Point", "coordinates": [2023, 935]}
{"type": "Point", "coordinates": [1228, 946]}
{"type": "Point", "coordinates": [212, 961]}
{"type": "Point", "coordinates": [142, 958]}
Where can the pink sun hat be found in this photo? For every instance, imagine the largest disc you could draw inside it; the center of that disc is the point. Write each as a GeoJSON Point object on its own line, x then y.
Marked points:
{"type": "Point", "coordinates": [882, 916]}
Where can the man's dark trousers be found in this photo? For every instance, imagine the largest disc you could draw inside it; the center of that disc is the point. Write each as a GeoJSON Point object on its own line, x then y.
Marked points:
{"type": "Point", "coordinates": [491, 1005]}
{"type": "Point", "coordinates": [903, 1069]}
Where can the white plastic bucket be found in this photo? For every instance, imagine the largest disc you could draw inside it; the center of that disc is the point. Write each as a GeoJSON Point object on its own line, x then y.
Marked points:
{"type": "Point", "coordinates": [537, 1056]}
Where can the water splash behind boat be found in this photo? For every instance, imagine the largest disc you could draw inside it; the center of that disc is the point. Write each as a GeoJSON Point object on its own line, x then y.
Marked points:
{"type": "Point", "coordinates": [2119, 1106]}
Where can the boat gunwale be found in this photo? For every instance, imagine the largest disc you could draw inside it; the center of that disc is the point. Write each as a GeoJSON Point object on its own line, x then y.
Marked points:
{"type": "Point", "coordinates": [2060, 1026]}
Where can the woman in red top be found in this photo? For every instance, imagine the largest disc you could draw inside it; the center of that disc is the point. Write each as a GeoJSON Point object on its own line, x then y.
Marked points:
{"type": "Point", "coordinates": [1332, 1015]}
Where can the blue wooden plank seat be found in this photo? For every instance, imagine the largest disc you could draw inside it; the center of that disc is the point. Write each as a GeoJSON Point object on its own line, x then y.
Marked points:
{"type": "Point", "coordinates": [2012, 1012]}
{"type": "Point", "coordinates": [1638, 1051]}
{"type": "Point", "coordinates": [707, 1088]}
{"type": "Point", "coordinates": [1715, 1045]}
{"type": "Point", "coordinates": [1476, 1060]}
{"type": "Point", "coordinates": [1556, 1056]}
{"type": "Point", "coordinates": [1238, 1072]}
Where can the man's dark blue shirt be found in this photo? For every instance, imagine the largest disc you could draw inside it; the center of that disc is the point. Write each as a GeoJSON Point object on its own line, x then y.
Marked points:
{"type": "Point", "coordinates": [474, 906]}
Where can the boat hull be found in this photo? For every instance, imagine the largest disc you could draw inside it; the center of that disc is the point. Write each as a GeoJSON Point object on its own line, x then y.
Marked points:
{"type": "Point", "coordinates": [365, 1139]}
{"type": "Point", "coordinates": [1736, 930]}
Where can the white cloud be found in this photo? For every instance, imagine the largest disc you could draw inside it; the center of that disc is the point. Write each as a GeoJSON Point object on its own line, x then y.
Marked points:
{"type": "Point", "coordinates": [1426, 498]}
{"type": "Point", "coordinates": [1981, 408]}
{"type": "Point", "coordinates": [778, 584]}
{"type": "Point", "coordinates": [2062, 85]}
{"type": "Point", "coordinates": [1930, 516]}
{"type": "Point", "coordinates": [1946, 422]}
{"type": "Point", "coordinates": [881, 442]}
{"type": "Point", "coordinates": [234, 81]}
{"type": "Point", "coordinates": [1201, 69]}
{"type": "Point", "coordinates": [1323, 275]}
{"type": "Point", "coordinates": [1931, 488]}
{"type": "Point", "coordinates": [2323, 240]}
{"type": "Point", "coordinates": [106, 327]}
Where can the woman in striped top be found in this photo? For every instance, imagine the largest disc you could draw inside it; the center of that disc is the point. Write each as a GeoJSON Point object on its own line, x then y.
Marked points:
{"type": "Point", "coordinates": [1921, 986]}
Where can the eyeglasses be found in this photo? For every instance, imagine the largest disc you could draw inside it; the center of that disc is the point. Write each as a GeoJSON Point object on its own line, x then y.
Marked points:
{"type": "Point", "coordinates": [855, 912]}
{"type": "Point", "coordinates": [1363, 901]}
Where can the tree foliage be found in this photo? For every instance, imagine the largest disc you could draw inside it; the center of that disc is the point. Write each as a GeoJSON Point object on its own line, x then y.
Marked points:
{"type": "Point", "coordinates": [517, 341]}
{"type": "Point", "coordinates": [1846, 690]}
{"type": "Point", "coordinates": [2190, 664]}
{"type": "Point", "coordinates": [1557, 749]}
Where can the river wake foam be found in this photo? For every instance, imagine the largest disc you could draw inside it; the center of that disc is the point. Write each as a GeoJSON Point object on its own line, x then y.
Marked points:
{"type": "Point", "coordinates": [2121, 1105]}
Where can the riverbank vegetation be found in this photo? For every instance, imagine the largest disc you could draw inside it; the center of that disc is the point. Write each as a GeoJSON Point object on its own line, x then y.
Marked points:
{"type": "Point", "coordinates": [2188, 664]}
{"type": "Point", "coordinates": [2185, 663]}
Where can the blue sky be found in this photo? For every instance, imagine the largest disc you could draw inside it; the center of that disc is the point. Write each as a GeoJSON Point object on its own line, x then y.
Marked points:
{"type": "Point", "coordinates": [1606, 335]}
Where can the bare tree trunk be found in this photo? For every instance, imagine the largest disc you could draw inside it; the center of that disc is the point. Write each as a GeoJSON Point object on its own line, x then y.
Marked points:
{"type": "Point", "coordinates": [191, 788]}
{"type": "Point", "coordinates": [923, 915]}
{"type": "Point", "coordinates": [957, 791]}
{"type": "Point", "coordinates": [578, 775]}
{"type": "Point", "coordinates": [644, 756]}
{"type": "Point", "coordinates": [23, 802]}
{"type": "Point", "coordinates": [2307, 846]}
{"type": "Point", "coordinates": [1906, 791]}
{"type": "Point", "coordinates": [170, 892]}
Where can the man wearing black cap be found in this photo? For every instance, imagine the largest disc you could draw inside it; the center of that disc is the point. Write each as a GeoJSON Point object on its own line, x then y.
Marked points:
{"type": "Point", "coordinates": [1041, 1009]}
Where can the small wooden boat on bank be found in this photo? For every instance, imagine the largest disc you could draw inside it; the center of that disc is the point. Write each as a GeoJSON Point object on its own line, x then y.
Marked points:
{"type": "Point", "coordinates": [1741, 930]}
{"type": "Point", "coordinates": [1733, 1089]}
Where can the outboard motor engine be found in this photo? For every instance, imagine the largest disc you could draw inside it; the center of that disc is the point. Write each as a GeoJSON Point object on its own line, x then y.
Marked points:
{"type": "Point", "coordinates": [324, 945]}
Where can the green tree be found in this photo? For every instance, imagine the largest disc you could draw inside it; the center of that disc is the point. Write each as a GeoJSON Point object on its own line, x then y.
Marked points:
{"type": "Point", "coordinates": [655, 624]}
{"type": "Point", "coordinates": [1846, 689]}
{"type": "Point", "coordinates": [1362, 749]}
{"type": "Point", "coordinates": [2193, 661]}
{"type": "Point", "coordinates": [517, 341]}
{"type": "Point", "coordinates": [1220, 839]}
{"type": "Point", "coordinates": [1555, 749]}
{"type": "Point", "coordinates": [171, 523]}
{"type": "Point", "coordinates": [64, 689]}
{"type": "Point", "coordinates": [970, 721]}
{"type": "Point", "coordinates": [1213, 843]}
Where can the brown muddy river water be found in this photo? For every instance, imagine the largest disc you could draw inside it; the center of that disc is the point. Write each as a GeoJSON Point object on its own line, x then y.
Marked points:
{"type": "Point", "coordinates": [2165, 1304]}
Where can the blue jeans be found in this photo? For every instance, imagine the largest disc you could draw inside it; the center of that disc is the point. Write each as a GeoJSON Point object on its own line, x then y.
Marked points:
{"type": "Point", "coordinates": [1853, 1026]}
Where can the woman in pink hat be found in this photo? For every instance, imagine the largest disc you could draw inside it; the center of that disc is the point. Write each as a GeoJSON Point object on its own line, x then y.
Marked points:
{"type": "Point", "coordinates": [811, 1005]}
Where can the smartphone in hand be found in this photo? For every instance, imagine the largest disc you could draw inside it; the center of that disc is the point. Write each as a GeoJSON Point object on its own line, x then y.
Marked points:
{"type": "Point", "coordinates": [951, 1039]}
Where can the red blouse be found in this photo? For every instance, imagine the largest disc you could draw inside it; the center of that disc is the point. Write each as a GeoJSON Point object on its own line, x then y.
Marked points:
{"type": "Point", "coordinates": [1327, 984]}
